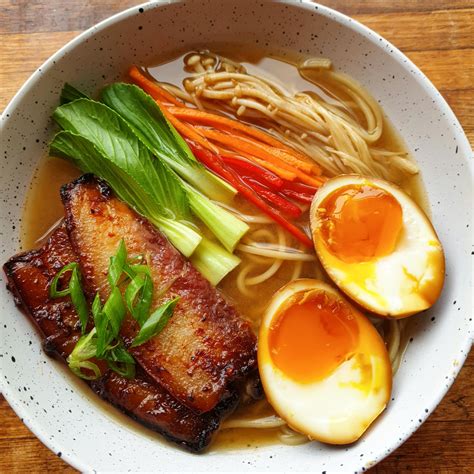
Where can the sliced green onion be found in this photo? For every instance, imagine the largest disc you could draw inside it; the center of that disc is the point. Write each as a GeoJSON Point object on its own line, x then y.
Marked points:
{"type": "Point", "coordinates": [115, 310]}
{"type": "Point", "coordinates": [117, 264]}
{"type": "Point", "coordinates": [108, 318]}
{"type": "Point", "coordinates": [79, 367]}
{"type": "Point", "coordinates": [155, 323]}
{"type": "Point", "coordinates": [138, 297]}
{"type": "Point", "coordinates": [78, 299]}
{"type": "Point", "coordinates": [74, 289]}
{"type": "Point", "coordinates": [96, 305]}
{"type": "Point", "coordinates": [104, 335]}
{"type": "Point", "coordinates": [132, 270]}
{"type": "Point", "coordinates": [85, 348]}
{"type": "Point", "coordinates": [120, 361]}
{"type": "Point", "coordinates": [53, 289]}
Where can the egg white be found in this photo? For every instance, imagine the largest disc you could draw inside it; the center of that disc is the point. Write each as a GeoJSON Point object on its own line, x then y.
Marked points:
{"type": "Point", "coordinates": [339, 408]}
{"type": "Point", "coordinates": [397, 285]}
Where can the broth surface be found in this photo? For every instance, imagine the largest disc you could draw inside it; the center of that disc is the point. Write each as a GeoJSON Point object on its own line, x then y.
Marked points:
{"type": "Point", "coordinates": [43, 208]}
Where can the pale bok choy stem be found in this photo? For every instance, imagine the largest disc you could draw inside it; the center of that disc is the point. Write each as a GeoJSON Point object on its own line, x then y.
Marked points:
{"type": "Point", "coordinates": [210, 255]}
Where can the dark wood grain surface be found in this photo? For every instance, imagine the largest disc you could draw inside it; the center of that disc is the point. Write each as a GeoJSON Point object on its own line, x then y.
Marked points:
{"type": "Point", "coordinates": [438, 35]}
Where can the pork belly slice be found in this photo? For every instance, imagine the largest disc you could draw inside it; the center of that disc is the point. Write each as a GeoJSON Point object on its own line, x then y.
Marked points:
{"type": "Point", "coordinates": [29, 276]}
{"type": "Point", "coordinates": [206, 349]}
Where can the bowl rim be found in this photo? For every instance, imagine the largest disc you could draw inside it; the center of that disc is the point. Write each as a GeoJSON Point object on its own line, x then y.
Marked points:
{"type": "Point", "coordinates": [432, 401]}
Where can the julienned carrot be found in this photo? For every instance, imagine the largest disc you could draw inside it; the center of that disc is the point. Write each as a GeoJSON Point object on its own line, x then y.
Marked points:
{"type": "Point", "coordinates": [283, 174]}
{"type": "Point", "coordinates": [291, 160]}
{"type": "Point", "coordinates": [240, 145]}
{"type": "Point", "coordinates": [162, 96]}
{"type": "Point", "coordinates": [258, 150]}
{"type": "Point", "coordinates": [218, 121]}
{"type": "Point", "coordinates": [213, 162]}
{"type": "Point", "coordinates": [298, 172]}
{"type": "Point", "coordinates": [309, 168]}
{"type": "Point", "coordinates": [187, 131]}
{"type": "Point", "coordinates": [152, 87]}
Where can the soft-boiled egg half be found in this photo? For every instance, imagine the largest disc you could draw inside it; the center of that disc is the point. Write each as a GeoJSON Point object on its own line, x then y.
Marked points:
{"type": "Point", "coordinates": [377, 245]}
{"type": "Point", "coordinates": [323, 365]}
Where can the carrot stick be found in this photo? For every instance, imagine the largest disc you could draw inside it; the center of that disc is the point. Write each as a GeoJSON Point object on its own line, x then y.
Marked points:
{"type": "Point", "coordinates": [151, 87]}
{"type": "Point", "coordinates": [295, 158]}
{"type": "Point", "coordinates": [296, 169]}
{"type": "Point", "coordinates": [218, 121]}
{"type": "Point", "coordinates": [291, 160]}
{"type": "Point", "coordinates": [253, 149]}
{"type": "Point", "coordinates": [284, 174]}
{"type": "Point", "coordinates": [188, 131]}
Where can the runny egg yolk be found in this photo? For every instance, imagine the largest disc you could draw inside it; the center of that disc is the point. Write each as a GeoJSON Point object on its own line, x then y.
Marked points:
{"type": "Point", "coordinates": [310, 338]}
{"type": "Point", "coordinates": [360, 222]}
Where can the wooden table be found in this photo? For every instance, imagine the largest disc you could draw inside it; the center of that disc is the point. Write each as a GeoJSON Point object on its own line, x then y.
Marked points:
{"type": "Point", "coordinates": [436, 34]}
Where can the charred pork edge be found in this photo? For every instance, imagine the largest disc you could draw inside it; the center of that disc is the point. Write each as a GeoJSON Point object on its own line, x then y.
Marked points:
{"type": "Point", "coordinates": [204, 438]}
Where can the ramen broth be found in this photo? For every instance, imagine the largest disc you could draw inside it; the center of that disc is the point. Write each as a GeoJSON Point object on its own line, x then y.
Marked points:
{"type": "Point", "coordinates": [43, 209]}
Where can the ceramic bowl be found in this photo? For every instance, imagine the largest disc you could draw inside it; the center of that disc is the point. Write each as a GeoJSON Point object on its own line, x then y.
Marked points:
{"type": "Point", "coordinates": [68, 418]}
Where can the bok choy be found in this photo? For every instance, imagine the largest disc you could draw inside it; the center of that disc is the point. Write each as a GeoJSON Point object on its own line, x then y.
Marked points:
{"type": "Point", "coordinates": [152, 128]}
{"type": "Point", "coordinates": [113, 137]}
{"type": "Point", "coordinates": [70, 93]}
{"type": "Point", "coordinates": [99, 141]}
{"type": "Point", "coordinates": [90, 159]}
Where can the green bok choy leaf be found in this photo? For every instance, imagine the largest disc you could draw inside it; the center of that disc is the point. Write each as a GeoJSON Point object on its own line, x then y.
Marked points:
{"type": "Point", "coordinates": [99, 141]}
{"type": "Point", "coordinates": [113, 137]}
{"type": "Point", "coordinates": [87, 157]}
{"type": "Point", "coordinates": [146, 119]}
{"type": "Point", "coordinates": [70, 93]}
{"type": "Point", "coordinates": [153, 129]}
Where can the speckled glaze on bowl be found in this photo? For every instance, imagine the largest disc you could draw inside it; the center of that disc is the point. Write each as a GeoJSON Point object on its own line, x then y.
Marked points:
{"type": "Point", "coordinates": [46, 397]}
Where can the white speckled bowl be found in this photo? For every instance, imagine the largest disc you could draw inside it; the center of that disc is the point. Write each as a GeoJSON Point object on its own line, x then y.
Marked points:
{"type": "Point", "coordinates": [46, 397]}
